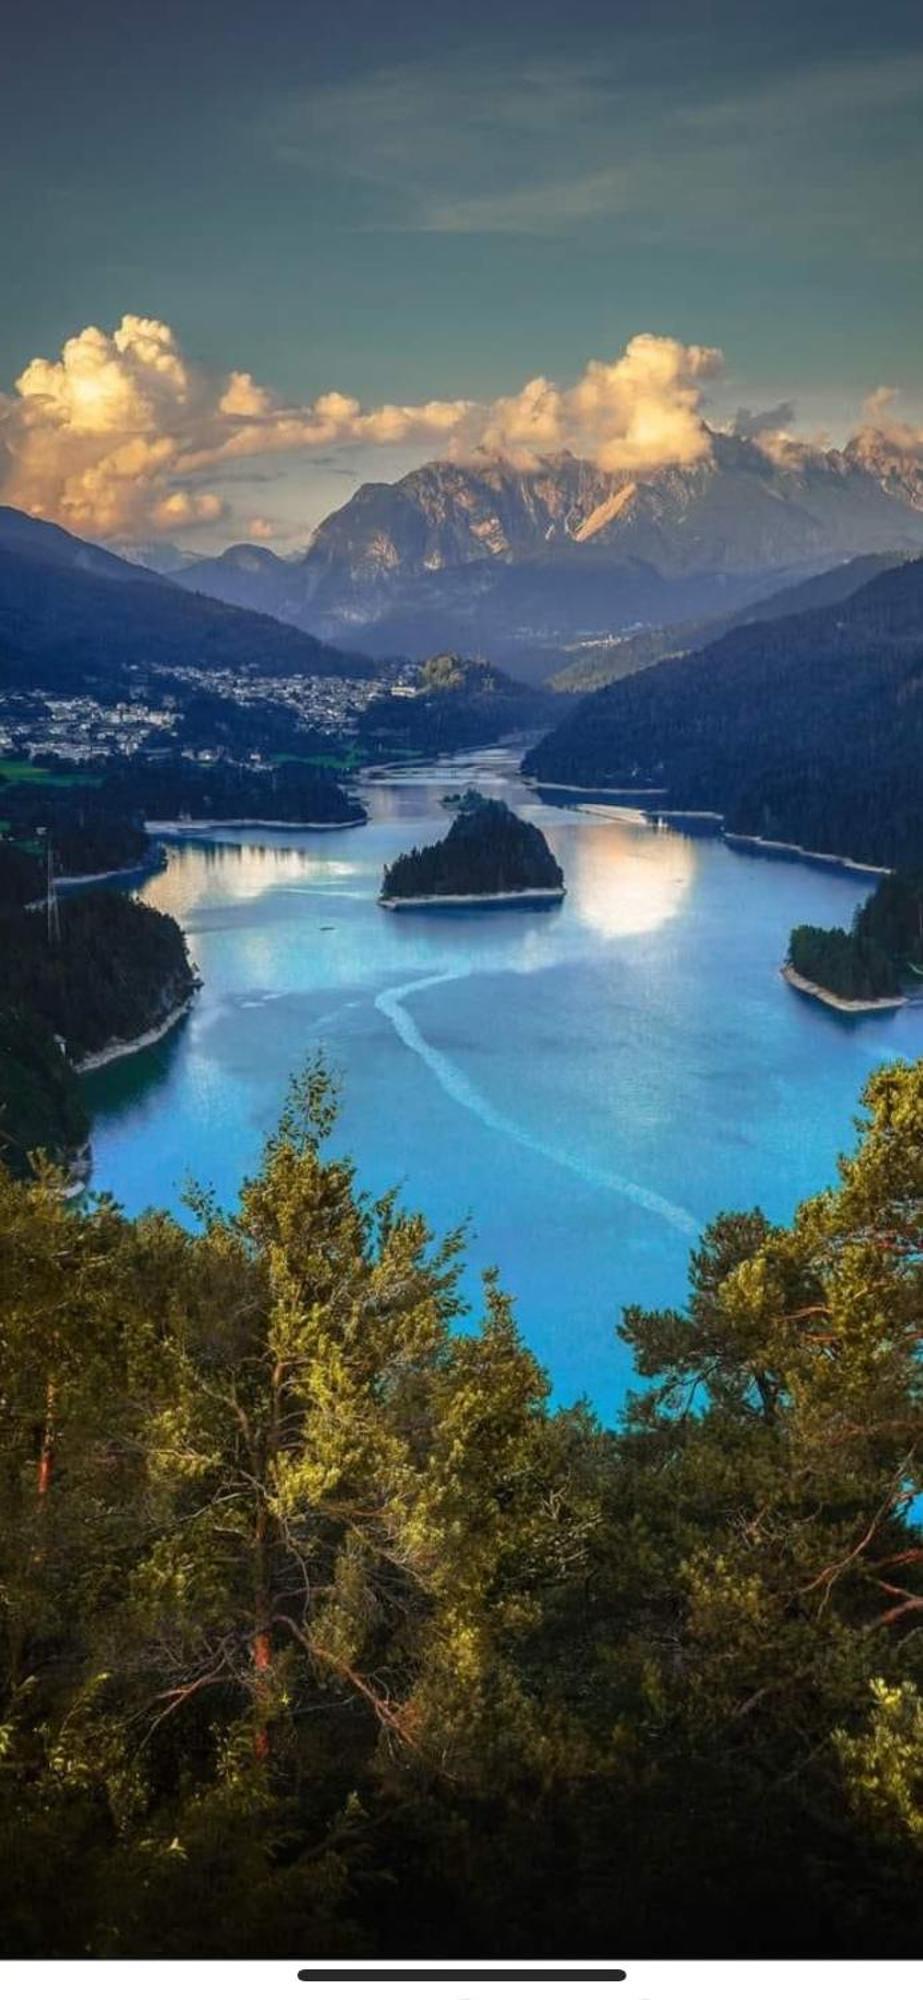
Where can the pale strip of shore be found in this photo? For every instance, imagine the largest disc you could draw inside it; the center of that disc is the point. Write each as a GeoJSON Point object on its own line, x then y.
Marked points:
{"type": "Point", "coordinates": [491, 896]}
{"type": "Point", "coordinates": [763, 846]}
{"type": "Point", "coordinates": [667, 816]}
{"type": "Point", "coordinates": [154, 858]}
{"type": "Point", "coordinates": [606, 791]}
{"type": "Point", "coordinates": [822, 993]}
{"type": "Point", "coordinates": [114, 1051]}
{"type": "Point", "coordinates": [617, 815]}
{"type": "Point", "coordinates": [176, 826]}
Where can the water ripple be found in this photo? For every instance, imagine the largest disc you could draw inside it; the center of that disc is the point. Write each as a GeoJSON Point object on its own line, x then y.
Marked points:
{"type": "Point", "coordinates": [459, 1086]}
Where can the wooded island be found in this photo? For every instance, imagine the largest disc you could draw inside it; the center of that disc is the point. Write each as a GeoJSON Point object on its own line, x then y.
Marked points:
{"type": "Point", "coordinates": [488, 854]}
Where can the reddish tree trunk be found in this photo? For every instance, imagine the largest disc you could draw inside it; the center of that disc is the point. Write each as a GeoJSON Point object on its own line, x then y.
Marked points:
{"type": "Point", "coordinates": [262, 1661]}
{"type": "Point", "coordinates": [46, 1454]}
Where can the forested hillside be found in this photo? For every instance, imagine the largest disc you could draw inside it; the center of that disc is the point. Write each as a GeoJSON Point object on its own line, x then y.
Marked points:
{"type": "Point", "coordinates": [177, 788]}
{"type": "Point", "coordinates": [109, 969]}
{"type": "Point", "coordinates": [324, 1635]}
{"type": "Point", "coordinates": [63, 626]}
{"type": "Point", "coordinates": [806, 729]}
{"type": "Point", "coordinates": [462, 703]}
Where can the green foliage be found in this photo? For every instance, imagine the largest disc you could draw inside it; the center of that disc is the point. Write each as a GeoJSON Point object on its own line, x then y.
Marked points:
{"type": "Point", "coordinates": [116, 970]}
{"type": "Point", "coordinates": [885, 943]}
{"type": "Point", "coordinates": [320, 1633]}
{"type": "Point", "coordinates": [180, 789]}
{"type": "Point", "coordinates": [40, 1103]}
{"type": "Point", "coordinates": [87, 837]}
{"type": "Point", "coordinates": [21, 876]}
{"type": "Point", "coordinates": [856, 967]}
{"type": "Point", "coordinates": [460, 704]}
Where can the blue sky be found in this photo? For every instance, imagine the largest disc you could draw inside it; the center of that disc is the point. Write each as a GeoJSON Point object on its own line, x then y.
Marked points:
{"type": "Point", "coordinates": [404, 202]}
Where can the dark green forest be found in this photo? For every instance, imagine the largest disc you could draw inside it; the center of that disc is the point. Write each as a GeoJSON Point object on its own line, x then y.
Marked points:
{"type": "Point", "coordinates": [115, 970]}
{"type": "Point", "coordinates": [41, 1108]}
{"type": "Point", "coordinates": [108, 969]}
{"type": "Point", "coordinates": [881, 951]}
{"type": "Point", "coordinates": [87, 836]}
{"type": "Point", "coordinates": [488, 851]}
{"type": "Point", "coordinates": [808, 728]}
{"type": "Point", "coordinates": [96, 822]}
{"type": "Point", "coordinates": [179, 788]}
{"type": "Point", "coordinates": [462, 703]}
{"type": "Point", "coordinates": [323, 1633]}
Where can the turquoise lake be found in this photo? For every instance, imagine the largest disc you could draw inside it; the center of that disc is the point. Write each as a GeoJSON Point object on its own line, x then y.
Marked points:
{"type": "Point", "coordinates": [588, 1083]}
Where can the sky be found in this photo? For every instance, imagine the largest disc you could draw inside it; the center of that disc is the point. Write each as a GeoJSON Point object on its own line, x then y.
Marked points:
{"type": "Point", "coordinates": [281, 224]}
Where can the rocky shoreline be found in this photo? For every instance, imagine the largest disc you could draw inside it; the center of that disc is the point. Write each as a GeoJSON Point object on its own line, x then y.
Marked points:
{"type": "Point", "coordinates": [114, 1050]}
{"type": "Point", "coordinates": [179, 826]}
{"type": "Point", "coordinates": [492, 897]}
{"type": "Point", "coordinates": [814, 992]}
{"type": "Point", "coordinates": [153, 858]}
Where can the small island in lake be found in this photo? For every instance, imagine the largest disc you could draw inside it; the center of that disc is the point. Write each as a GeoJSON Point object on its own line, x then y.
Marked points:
{"type": "Point", "coordinates": [864, 969]}
{"type": "Point", "coordinates": [488, 855]}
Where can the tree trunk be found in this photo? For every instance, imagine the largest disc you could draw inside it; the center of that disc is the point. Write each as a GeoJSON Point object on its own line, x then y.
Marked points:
{"type": "Point", "coordinates": [46, 1453]}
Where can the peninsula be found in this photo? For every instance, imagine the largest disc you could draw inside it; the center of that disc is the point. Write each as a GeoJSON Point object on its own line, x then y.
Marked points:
{"type": "Point", "coordinates": [866, 968]}
{"type": "Point", "coordinates": [98, 977]}
{"type": "Point", "coordinates": [489, 855]}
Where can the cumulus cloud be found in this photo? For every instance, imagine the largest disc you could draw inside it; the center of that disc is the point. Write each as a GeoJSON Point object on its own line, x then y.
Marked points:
{"type": "Point", "coordinates": [122, 434]}
{"type": "Point", "coordinates": [879, 419]}
{"type": "Point", "coordinates": [115, 436]}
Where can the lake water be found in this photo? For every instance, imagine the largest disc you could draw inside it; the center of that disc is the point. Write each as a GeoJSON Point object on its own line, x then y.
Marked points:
{"type": "Point", "coordinates": [588, 1083]}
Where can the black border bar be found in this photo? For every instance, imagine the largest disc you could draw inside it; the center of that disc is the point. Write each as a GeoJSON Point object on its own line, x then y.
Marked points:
{"type": "Point", "coordinates": [500, 1972]}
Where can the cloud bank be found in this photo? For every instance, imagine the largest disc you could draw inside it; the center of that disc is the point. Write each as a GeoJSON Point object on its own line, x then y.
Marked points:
{"type": "Point", "coordinates": [124, 435]}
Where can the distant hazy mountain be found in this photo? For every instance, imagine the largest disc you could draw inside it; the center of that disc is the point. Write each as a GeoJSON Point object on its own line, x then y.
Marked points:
{"type": "Point", "coordinates": [488, 558]}
{"type": "Point", "coordinates": [251, 577]}
{"type": "Point", "coordinates": [590, 667]}
{"type": "Point", "coordinates": [807, 728]}
{"type": "Point", "coordinates": [164, 558]}
{"type": "Point", "coordinates": [70, 612]}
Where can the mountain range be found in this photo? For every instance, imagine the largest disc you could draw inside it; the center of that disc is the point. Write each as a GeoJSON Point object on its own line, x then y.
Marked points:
{"type": "Point", "coordinates": [806, 728]}
{"type": "Point", "coordinates": [491, 558]}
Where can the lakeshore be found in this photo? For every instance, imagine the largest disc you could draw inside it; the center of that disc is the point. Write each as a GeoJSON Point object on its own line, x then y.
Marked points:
{"type": "Point", "coordinates": [828, 999]}
{"type": "Point", "coordinates": [155, 857]}
{"type": "Point", "coordinates": [176, 827]}
{"type": "Point", "coordinates": [115, 1050]}
{"type": "Point", "coordinates": [755, 843]}
{"type": "Point", "coordinates": [605, 791]}
{"type": "Point", "coordinates": [494, 899]}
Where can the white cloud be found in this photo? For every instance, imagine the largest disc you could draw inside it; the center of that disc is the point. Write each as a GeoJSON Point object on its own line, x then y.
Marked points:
{"type": "Point", "coordinates": [879, 419]}
{"type": "Point", "coordinates": [111, 438]}
{"type": "Point", "coordinates": [116, 436]}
